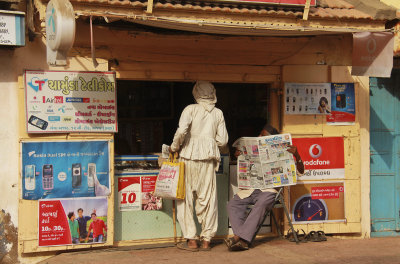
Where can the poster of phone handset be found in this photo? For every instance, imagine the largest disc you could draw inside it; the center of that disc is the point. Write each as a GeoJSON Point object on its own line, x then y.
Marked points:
{"type": "Point", "coordinates": [62, 169]}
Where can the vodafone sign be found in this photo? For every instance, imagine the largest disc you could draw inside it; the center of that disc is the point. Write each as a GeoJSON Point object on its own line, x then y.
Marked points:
{"type": "Point", "coordinates": [323, 157]}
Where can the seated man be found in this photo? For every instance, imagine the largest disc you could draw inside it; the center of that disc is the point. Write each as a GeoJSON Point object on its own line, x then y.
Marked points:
{"type": "Point", "coordinates": [245, 226]}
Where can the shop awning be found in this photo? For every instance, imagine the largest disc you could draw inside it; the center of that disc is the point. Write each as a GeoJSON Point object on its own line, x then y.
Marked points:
{"type": "Point", "coordinates": [238, 18]}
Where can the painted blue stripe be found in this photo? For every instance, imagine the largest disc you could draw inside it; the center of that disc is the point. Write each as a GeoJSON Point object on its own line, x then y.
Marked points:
{"type": "Point", "coordinates": [20, 30]}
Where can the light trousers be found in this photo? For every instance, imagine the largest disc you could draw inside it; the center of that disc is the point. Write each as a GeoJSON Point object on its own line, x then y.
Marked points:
{"type": "Point", "coordinates": [201, 190]}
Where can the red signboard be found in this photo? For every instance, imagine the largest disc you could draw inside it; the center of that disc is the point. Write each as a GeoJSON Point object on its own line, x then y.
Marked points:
{"type": "Point", "coordinates": [280, 2]}
{"type": "Point", "coordinates": [326, 192]}
{"type": "Point", "coordinates": [323, 158]}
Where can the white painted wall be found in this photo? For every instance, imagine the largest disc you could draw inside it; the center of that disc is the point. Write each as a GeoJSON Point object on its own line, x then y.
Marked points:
{"type": "Point", "coordinates": [12, 64]}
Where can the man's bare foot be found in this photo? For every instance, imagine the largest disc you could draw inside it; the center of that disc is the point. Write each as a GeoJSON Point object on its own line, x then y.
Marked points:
{"type": "Point", "coordinates": [192, 243]}
{"type": "Point", "coordinates": [206, 244]}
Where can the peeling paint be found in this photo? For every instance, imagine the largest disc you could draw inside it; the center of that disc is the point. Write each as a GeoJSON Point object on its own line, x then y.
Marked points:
{"type": "Point", "coordinates": [8, 239]}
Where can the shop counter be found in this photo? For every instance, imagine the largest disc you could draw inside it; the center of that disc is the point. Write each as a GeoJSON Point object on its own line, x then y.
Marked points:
{"type": "Point", "coordinates": [134, 223]}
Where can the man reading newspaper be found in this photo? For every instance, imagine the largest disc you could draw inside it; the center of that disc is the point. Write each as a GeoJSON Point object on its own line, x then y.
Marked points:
{"type": "Point", "coordinates": [245, 226]}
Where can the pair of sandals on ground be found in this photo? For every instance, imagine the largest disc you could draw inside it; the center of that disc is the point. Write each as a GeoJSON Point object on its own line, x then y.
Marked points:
{"type": "Point", "coordinates": [194, 245]}
{"type": "Point", "coordinates": [313, 236]}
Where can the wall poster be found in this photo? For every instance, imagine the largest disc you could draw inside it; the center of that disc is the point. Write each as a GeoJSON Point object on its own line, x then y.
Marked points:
{"type": "Point", "coordinates": [307, 98]}
{"type": "Point", "coordinates": [72, 221]}
{"type": "Point", "coordinates": [65, 101]}
{"type": "Point", "coordinates": [343, 104]}
{"type": "Point", "coordinates": [323, 158]}
{"type": "Point", "coordinates": [62, 169]}
{"type": "Point", "coordinates": [135, 193]}
{"type": "Point", "coordinates": [317, 202]}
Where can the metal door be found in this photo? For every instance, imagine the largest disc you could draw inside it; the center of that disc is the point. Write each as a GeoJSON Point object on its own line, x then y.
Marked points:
{"type": "Point", "coordinates": [385, 155]}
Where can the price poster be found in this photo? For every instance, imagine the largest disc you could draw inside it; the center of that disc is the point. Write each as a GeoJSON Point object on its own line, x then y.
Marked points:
{"type": "Point", "coordinates": [129, 194]}
{"type": "Point", "coordinates": [72, 221]}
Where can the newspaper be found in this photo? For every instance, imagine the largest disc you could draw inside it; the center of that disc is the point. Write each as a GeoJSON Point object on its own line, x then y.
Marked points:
{"type": "Point", "coordinates": [265, 162]}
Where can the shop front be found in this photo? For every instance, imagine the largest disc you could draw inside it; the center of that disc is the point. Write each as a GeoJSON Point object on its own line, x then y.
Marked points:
{"type": "Point", "coordinates": [259, 79]}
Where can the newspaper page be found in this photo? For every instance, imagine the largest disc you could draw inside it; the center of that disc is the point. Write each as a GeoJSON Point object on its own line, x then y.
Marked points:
{"type": "Point", "coordinates": [265, 162]}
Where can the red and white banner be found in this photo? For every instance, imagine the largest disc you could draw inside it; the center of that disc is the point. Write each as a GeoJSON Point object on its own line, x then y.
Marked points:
{"type": "Point", "coordinates": [323, 158]}
{"type": "Point", "coordinates": [372, 54]}
{"type": "Point", "coordinates": [129, 194]}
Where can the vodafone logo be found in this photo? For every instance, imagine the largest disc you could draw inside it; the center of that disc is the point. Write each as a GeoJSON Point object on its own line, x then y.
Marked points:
{"type": "Point", "coordinates": [315, 151]}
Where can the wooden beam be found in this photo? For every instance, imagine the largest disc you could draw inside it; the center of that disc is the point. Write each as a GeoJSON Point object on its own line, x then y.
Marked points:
{"type": "Point", "coordinates": [306, 10]}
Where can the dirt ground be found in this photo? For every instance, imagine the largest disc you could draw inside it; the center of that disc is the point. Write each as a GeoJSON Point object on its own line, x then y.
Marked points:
{"type": "Point", "coordinates": [354, 251]}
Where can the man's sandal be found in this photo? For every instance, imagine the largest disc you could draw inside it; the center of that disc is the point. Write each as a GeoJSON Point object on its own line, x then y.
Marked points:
{"type": "Point", "coordinates": [229, 242]}
{"type": "Point", "coordinates": [185, 246]}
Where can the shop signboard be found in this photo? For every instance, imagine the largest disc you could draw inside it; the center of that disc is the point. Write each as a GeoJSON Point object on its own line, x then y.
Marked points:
{"type": "Point", "coordinates": [343, 104]}
{"type": "Point", "coordinates": [317, 202]}
{"type": "Point", "coordinates": [307, 98]}
{"type": "Point", "coordinates": [12, 28]}
{"type": "Point", "coordinates": [372, 54]}
{"type": "Point", "coordinates": [323, 158]}
{"type": "Point", "coordinates": [62, 169]}
{"type": "Point", "coordinates": [135, 192]}
{"type": "Point", "coordinates": [60, 222]}
{"type": "Point", "coordinates": [64, 101]}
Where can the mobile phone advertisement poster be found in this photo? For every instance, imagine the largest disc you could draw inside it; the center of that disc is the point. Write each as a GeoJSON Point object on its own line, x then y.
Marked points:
{"type": "Point", "coordinates": [66, 101]}
{"type": "Point", "coordinates": [72, 221]}
{"type": "Point", "coordinates": [343, 104]}
{"type": "Point", "coordinates": [64, 169]}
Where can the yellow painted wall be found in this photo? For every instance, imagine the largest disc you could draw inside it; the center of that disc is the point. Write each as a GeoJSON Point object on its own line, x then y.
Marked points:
{"type": "Point", "coordinates": [149, 56]}
{"type": "Point", "coordinates": [356, 142]}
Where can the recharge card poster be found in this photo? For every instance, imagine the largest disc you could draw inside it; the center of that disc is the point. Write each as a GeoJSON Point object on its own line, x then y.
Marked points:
{"type": "Point", "coordinates": [63, 169]}
{"type": "Point", "coordinates": [72, 221]}
{"type": "Point", "coordinates": [343, 104]}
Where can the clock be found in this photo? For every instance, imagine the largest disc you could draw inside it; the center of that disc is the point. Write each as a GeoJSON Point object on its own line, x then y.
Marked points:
{"type": "Point", "coordinates": [307, 209]}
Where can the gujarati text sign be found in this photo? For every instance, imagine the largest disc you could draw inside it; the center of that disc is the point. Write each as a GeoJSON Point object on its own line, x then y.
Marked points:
{"type": "Point", "coordinates": [63, 101]}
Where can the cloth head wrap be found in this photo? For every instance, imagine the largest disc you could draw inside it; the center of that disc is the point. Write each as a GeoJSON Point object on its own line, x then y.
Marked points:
{"type": "Point", "coordinates": [204, 94]}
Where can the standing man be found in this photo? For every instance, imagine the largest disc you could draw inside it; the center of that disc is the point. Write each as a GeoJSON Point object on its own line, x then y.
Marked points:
{"type": "Point", "coordinates": [82, 221]}
{"type": "Point", "coordinates": [73, 228]}
{"type": "Point", "coordinates": [200, 134]}
{"type": "Point", "coordinates": [245, 226]}
{"type": "Point", "coordinates": [97, 226]}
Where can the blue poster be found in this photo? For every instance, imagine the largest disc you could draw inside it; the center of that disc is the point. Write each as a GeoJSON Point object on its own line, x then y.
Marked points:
{"type": "Point", "coordinates": [62, 169]}
{"type": "Point", "coordinates": [343, 104]}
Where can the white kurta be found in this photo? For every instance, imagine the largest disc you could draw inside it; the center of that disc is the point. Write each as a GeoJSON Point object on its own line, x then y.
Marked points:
{"type": "Point", "coordinates": [200, 133]}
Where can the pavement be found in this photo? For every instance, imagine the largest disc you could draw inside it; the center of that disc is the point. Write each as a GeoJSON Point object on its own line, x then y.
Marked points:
{"type": "Point", "coordinates": [270, 250]}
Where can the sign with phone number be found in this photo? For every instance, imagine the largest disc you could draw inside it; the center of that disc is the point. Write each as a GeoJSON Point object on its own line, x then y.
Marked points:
{"type": "Point", "coordinates": [63, 101]}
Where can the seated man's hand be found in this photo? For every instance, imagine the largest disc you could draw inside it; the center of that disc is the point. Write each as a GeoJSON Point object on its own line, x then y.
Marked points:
{"type": "Point", "coordinates": [292, 149]}
{"type": "Point", "coordinates": [237, 153]}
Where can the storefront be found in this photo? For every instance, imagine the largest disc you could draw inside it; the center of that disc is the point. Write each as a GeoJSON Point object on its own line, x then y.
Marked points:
{"type": "Point", "coordinates": [155, 70]}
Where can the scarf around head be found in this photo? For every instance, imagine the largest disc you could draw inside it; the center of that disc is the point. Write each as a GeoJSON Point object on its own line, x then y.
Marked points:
{"type": "Point", "coordinates": [204, 94]}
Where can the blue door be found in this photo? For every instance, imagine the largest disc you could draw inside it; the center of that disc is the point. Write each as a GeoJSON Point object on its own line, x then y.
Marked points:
{"type": "Point", "coordinates": [385, 155]}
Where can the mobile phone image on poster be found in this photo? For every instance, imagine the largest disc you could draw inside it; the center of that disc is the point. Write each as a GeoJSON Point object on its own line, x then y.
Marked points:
{"type": "Point", "coordinates": [72, 221]}
{"type": "Point", "coordinates": [307, 98]}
